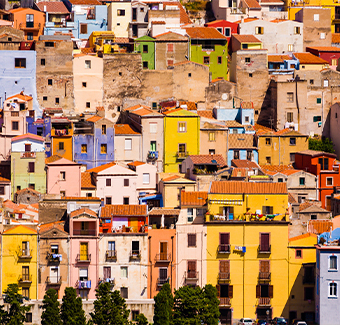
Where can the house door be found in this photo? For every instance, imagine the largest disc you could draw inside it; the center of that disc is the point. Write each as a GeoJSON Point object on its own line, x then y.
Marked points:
{"type": "Point", "coordinates": [224, 270]}
{"type": "Point", "coordinates": [84, 249]}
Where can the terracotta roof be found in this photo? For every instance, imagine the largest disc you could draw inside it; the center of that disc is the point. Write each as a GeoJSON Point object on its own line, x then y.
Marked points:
{"type": "Point", "coordinates": [217, 79]}
{"type": "Point", "coordinates": [85, 2]}
{"type": "Point", "coordinates": [158, 23]}
{"type": "Point", "coordinates": [94, 118]}
{"type": "Point", "coordinates": [204, 33]}
{"type": "Point", "coordinates": [132, 108]}
{"type": "Point", "coordinates": [246, 38]}
{"type": "Point", "coordinates": [184, 18]}
{"type": "Point", "coordinates": [164, 211]}
{"type": "Point", "coordinates": [81, 211]}
{"type": "Point", "coordinates": [309, 58]}
{"type": "Point", "coordinates": [29, 136]}
{"type": "Point", "coordinates": [52, 159]}
{"type": "Point", "coordinates": [262, 129]}
{"type": "Point", "coordinates": [315, 153]}
{"type": "Point", "coordinates": [52, 7]}
{"type": "Point", "coordinates": [242, 163]}
{"type": "Point", "coordinates": [206, 114]}
{"type": "Point", "coordinates": [278, 57]}
{"type": "Point", "coordinates": [136, 163]}
{"type": "Point", "coordinates": [11, 229]}
{"type": "Point", "coordinates": [253, 4]}
{"type": "Point", "coordinates": [124, 129]}
{"type": "Point", "coordinates": [325, 48]}
{"type": "Point", "coordinates": [320, 226]}
{"type": "Point", "coordinates": [142, 110]}
{"type": "Point", "coordinates": [241, 141]}
{"type": "Point", "coordinates": [335, 38]}
{"type": "Point", "coordinates": [291, 198]}
{"type": "Point", "coordinates": [48, 226]}
{"type": "Point", "coordinates": [234, 187]}
{"type": "Point", "coordinates": [86, 180]}
{"type": "Point", "coordinates": [102, 167]}
{"type": "Point", "coordinates": [194, 198]}
{"type": "Point", "coordinates": [246, 20]}
{"type": "Point", "coordinates": [123, 210]}
{"type": "Point", "coordinates": [21, 96]}
{"type": "Point", "coordinates": [302, 236]}
{"type": "Point", "coordinates": [289, 172]}
{"type": "Point", "coordinates": [313, 208]}
{"type": "Point", "coordinates": [305, 205]}
{"type": "Point", "coordinates": [191, 106]}
{"type": "Point", "coordinates": [239, 172]}
{"type": "Point", "coordinates": [171, 178]}
{"type": "Point", "coordinates": [80, 198]}
{"type": "Point", "coordinates": [233, 124]}
{"type": "Point", "coordinates": [208, 160]}
{"type": "Point", "coordinates": [3, 179]}
{"type": "Point", "coordinates": [274, 169]}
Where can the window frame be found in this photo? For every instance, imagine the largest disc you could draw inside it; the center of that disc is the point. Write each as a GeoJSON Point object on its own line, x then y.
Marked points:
{"type": "Point", "coordinates": [182, 127]}
{"type": "Point", "coordinates": [192, 239]}
{"type": "Point", "coordinates": [335, 285]}
{"type": "Point", "coordinates": [329, 263]}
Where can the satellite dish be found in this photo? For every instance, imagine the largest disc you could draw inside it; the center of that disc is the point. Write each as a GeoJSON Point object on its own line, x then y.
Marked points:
{"type": "Point", "coordinates": [224, 96]}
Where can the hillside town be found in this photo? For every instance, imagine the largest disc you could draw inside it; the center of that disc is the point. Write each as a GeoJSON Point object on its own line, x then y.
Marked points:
{"type": "Point", "coordinates": [145, 143]}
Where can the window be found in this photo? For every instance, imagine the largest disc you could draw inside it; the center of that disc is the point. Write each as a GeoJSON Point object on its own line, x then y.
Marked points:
{"type": "Point", "coordinates": [325, 83]}
{"type": "Point", "coordinates": [267, 209]}
{"type": "Point", "coordinates": [227, 32]}
{"type": "Point", "coordinates": [153, 127]}
{"type": "Point", "coordinates": [25, 273]}
{"type": "Point", "coordinates": [108, 182]}
{"type": "Point", "coordinates": [189, 74]}
{"type": "Point", "coordinates": [309, 293]}
{"type": "Point", "coordinates": [206, 59]}
{"type": "Point", "coordinates": [311, 81]}
{"type": "Point", "coordinates": [302, 181]}
{"type": "Point", "coordinates": [26, 292]}
{"type": "Point", "coordinates": [332, 289]}
{"type": "Point", "coordinates": [224, 243]}
{"type": "Point", "coordinates": [61, 145]}
{"type": "Point", "coordinates": [244, 46]}
{"type": "Point", "coordinates": [49, 82]}
{"type": "Point", "coordinates": [246, 119]}
{"type": "Point", "coordinates": [170, 47]}
{"type": "Point", "coordinates": [124, 292]}
{"type": "Point", "coordinates": [84, 148]}
{"type": "Point", "coordinates": [44, 98]}
{"type": "Point", "coordinates": [292, 141]}
{"type": "Point", "coordinates": [211, 151]}
{"type": "Point", "coordinates": [27, 147]}
{"type": "Point", "coordinates": [334, 61]}
{"type": "Point", "coordinates": [146, 178]}
{"type": "Point", "coordinates": [163, 276]}
{"type": "Point", "coordinates": [329, 181]}
{"type": "Point", "coordinates": [228, 212]}
{"type": "Point", "coordinates": [182, 127]}
{"type": "Point", "coordinates": [170, 63]}
{"type": "Point", "coordinates": [126, 200]}
{"type": "Point", "coordinates": [103, 148]}
{"type": "Point", "coordinates": [314, 217]}
{"type": "Point", "coordinates": [88, 104]}
{"type": "Point", "coordinates": [296, 30]}
{"type": "Point", "coordinates": [103, 129]}
{"type": "Point", "coordinates": [316, 17]}
{"type": "Point", "coordinates": [57, 100]}
{"type": "Point", "coordinates": [128, 144]}
{"type": "Point", "coordinates": [31, 186]}
{"type": "Point", "coordinates": [317, 118]}
{"type": "Point", "coordinates": [49, 44]}
{"type": "Point", "coordinates": [192, 269]}
{"type": "Point", "coordinates": [42, 62]}
{"type": "Point", "coordinates": [280, 180]}
{"type": "Point", "coordinates": [298, 253]}
{"type": "Point", "coordinates": [182, 148]}
{"type": "Point", "coordinates": [268, 160]}
{"type": "Point", "coordinates": [219, 29]}
{"type": "Point", "coordinates": [135, 314]}
{"type": "Point", "coordinates": [126, 182]}
{"type": "Point", "coordinates": [290, 97]}
{"type": "Point", "coordinates": [268, 141]}
{"type": "Point", "coordinates": [62, 176]}
{"type": "Point", "coordinates": [292, 157]}
{"type": "Point", "coordinates": [290, 117]}
{"type": "Point", "coordinates": [88, 194]}
{"type": "Point", "coordinates": [83, 29]}
{"type": "Point", "coordinates": [323, 163]}
{"type": "Point", "coordinates": [145, 49]}
{"type": "Point", "coordinates": [87, 64]}
{"type": "Point", "coordinates": [219, 60]}
{"type": "Point", "coordinates": [120, 12]}
{"type": "Point", "coordinates": [332, 263]}
{"type": "Point", "coordinates": [322, 35]}
{"type": "Point", "coordinates": [145, 65]}
{"type": "Point", "coordinates": [247, 60]}
{"type": "Point", "coordinates": [190, 214]}
{"type": "Point", "coordinates": [107, 272]}
{"type": "Point", "coordinates": [265, 237]}
{"type": "Point", "coordinates": [20, 63]}
{"type": "Point", "coordinates": [259, 30]}
{"type": "Point", "coordinates": [30, 36]}
{"type": "Point", "coordinates": [211, 136]}
{"type": "Point", "coordinates": [108, 200]}
{"type": "Point", "coordinates": [236, 154]}
{"type": "Point", "coordinates": [28, 316]}
{"type": "Point", "coordinates": [83, 84]}
{"type": "Point", "coordinates": [191, 240]}
{"type": "Point", "coordinates": [31, 167]}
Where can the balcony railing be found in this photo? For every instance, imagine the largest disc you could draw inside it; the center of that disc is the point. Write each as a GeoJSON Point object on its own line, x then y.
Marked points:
{"type": "Point", "coordinates": [153, 154]}
{"type": "Point", "coordinates": [224, 249]}
{"type": "Point", "coordinates": [112, 281]}
{"type": "Point", "coordinates": [135, 255]}
{"type": "Point", "coordinates": [28, 154]}
{"type": "Point", "coordinates": [53, 258]}
{"type": "Point", "coordinates": [61, 132]}
{"type": "Point", "coordinates": [265, 249]}
{"type": "Point", "coordinates": [191, 275]}
{"type": "Point", "coordinates": [223, 276]}
{"type": "Point", "coordinates": [182, 155]}
{"type": "Point", "coordinates": [29, 25]}
{"type": "Point", "coordinates": [53, 280]}
{"type": "Point", "coordinates": [264, 276]}
{"type": "Point", "coordinates": [263, 301]}
{"type": "Point", "coordinates": [111, 255]}
{"type": "Point", "coordinates": [25, 253]}
{"type": "Point", "coordinates": [86, 232]}
{"type": "Point", "coordinates": [224, 301]}
{"type": "Point", "coordinates": [83, 258]}
{"type": "Point", "coordinates": [25, 279]}
{"type": "Point", "coordinates": [161, 281]}
{"type": "Point", "coordinates": [308, 280]}
{"type": "Point", "coordinates": [81, 284]}
{"type": "Point", "coordinates": [163, 257]}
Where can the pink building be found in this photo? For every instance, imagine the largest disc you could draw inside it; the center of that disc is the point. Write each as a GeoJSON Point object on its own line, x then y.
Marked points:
{"type": "Point", "coordinates": [84, 241]}
{"type": "Point", "coordinates": [63, 176]}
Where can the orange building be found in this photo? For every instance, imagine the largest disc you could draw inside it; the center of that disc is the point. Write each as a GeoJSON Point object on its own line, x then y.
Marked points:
{"type": "Point", "coordinates": [61, 137]}
{"type": "Point", "coordinates": [30, 21]}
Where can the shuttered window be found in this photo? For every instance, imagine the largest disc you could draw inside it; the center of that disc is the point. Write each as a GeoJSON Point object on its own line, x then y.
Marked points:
{"type": "Point", "coordinates": [191, 240]}
{"type": "Point", "coordinates": [264, 266]}
{"type": "Point", "coordinates": [224, 266]}
{"type": "Point", "coordinates": [264, 242]}
{"type": "Point", "coordinates": [107, 272]}
{"type": "Point", "coordinates": [31, 167]}
{"type": "Point", "coordinates": [264, 291]}
{"type": "Point", "coordinates": [224, 242]}
{"type": "Point", "coordinates": [163, 274]}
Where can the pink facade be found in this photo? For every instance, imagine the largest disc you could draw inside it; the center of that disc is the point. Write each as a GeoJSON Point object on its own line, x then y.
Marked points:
{"type": "Point", "coordinates": [63, 177]}
{"type": "Point", "coordinates": [84, 259]}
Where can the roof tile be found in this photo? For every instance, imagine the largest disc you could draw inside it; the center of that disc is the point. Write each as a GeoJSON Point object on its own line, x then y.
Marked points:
{"type": "Point", "coordinates": [86, 180]}
{"type": "Point", "coordinates": [208, 159]}
{"type": "Point", "coordinates": [309, 58]}
{"type": "Point", "coordinates": [241, 141]}
{"type": "Point", "coordinates": [234, 187]}
{"type": "Point", "coordinates": [124, 129]}
{"type": "Point", "coordinates": [194, 198]}
{"type": "Point", "coordinates": [243, 163]}
{"type": "Point", "coordinates": [246, 38]}
{"type": "Point", "coordinates": [123, 210]}
{"type": "Point", "coordinates": [52, 7]}
{"type": "Point", "coordinates": [204, 33]}
{"type": "Point", "coordinates": [27, 135]}
{"type": "Point", "coordinates": [81, 211]}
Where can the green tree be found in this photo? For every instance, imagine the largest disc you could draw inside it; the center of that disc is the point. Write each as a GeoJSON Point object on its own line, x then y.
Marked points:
{"type": "Point", "coordinates": [72, 312]}
{"type": "Point", "coordinates": [3, 315]}
{"type": "Point", "coordinates": [51, 309]}
{"type": "Point", "coordinates": [210, 311]}
{"type": "Point", "coordinates": [324, 144]}
{"type": "Point", "coordinates": [17, 311]}
{"type": "Point", "coordinates": [141, 320]}
{"type": "Point", "coordinates": [164, 303]}
{"type": "Point", "coordinates": [109, 307]}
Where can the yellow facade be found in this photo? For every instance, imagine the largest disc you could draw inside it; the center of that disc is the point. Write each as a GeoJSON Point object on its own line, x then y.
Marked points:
{"type": "Point", "coordinates": [19, 259]}
{"type": "Point", "coordinates": [62, 145]}
{"type": "Point", "coordinates": [101, 42]}
{"type": "Point", "coordinates": [279, 147]}
{"type": "Point", "coordinates": [181, 137]}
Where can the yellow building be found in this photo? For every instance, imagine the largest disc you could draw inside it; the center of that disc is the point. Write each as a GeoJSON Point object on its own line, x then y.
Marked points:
{"type": "Point", "coordinates": [279, 148]}
{"type": "Point", "coordinates": [247, 236]}
{"type": "Point", "coordinates": [119, 15]}
{"type": "Point", "coordinates": [103, 41]}
{"type": "Point", "coordinates": [19, 259]}
{"type": "Point", "coordinates": [181, 137]}
{"type": "Point", "coordinates": [302, 259]}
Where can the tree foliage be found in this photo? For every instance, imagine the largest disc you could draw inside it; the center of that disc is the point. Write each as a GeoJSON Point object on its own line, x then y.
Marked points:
{"type": "Point", "coordinates": [141, 320]}
{"type": "Point", "coordinates": [109, 307]}
{"type": "Point", "coordinates": [324, 144]}
{"type": "Point", "coordinates": [72, 312]}
{"type": "Point", "coordinates": [210, 308]}
{"type": "Point", "coordinates": [51, 309]}
{"type": "Point", "coordinates": [164, 303]}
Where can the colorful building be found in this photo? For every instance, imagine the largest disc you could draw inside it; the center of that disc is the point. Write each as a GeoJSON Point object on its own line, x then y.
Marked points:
{"type": "Point", "coordinates": [19, 251]}
{"type": "Point", "coordinates": [61, 137]}
{"type": "Point", "coordinates": [226, 28]}
{"type": "Point", "coordinates": [119, 15]}
{"type": "Point", "coordinates": [329, 53]}
{"type": "Point", "coordinates": [146, 46]}
{"type": "Point", "coordinates": [245, 42]}
{"type": "Point", "coordinates": [181, 137]}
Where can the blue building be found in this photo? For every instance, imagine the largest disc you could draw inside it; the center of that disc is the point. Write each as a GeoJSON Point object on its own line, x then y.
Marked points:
{"type": "Point", "coordinates": [282, 64]}
{"type": "Point", "coordinates": [88, 16]}
{"type": "Point", "coordinates": [93, 142]}
{"type": "Point", "coordinates": [17, 74]}
{"type": "Point", "coordinates": [242, 146]}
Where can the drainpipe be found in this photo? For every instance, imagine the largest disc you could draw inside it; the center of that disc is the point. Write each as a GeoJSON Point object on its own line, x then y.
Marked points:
{"type": "Point", "coordinates": [279, 150]}
{"type": "Point", "coordinates": [38, 254]}
{"type": "Point", "coordinates": [149, 238]}
{"type": "Point", "coordinates": [172, 258]}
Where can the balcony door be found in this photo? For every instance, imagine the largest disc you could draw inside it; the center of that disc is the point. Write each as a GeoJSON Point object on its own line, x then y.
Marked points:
{"type": "Point", "coordinates": [54, 274]}
{"type": "Point", "coordinates": [25, 273]}
{"type": "Point", "coordinates": [25, 248]}
{"type": "Point", "coordinates": [84, 250]}
{"type": "Point", "coordinates": [192, 268]}
{"type": "Point", "coordinates": [29, 20]}
{"type": "Point", "coordinates": [163, 250]}
{"type": "Point", "coordinates": [224, 269]}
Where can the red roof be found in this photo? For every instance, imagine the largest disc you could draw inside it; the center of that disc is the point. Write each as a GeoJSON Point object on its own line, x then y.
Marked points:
{"type": "Point", "coordinates": [81, 211]}
{"type": "Point", "coordinates": [94, 118]}
{"type": "Point", "coordinates": [56, 7]}
{"type": "Point", "coordinates": [243, 163]}
{"type": "Point", "coordinates": [325, 48]}
{"type": "Point", "coordinates": [204, 33]}
{"type": "Point", "coordinates": [85, 2]}
{"type": "Point", "coordinates": [86, 180]}
{"type": "Point", "coordinates": [193, 198]}
{"type": "Point", "coordinates": [100, 168]}
{"type": "Point", "coordinates": [208, 160]}
{"type": "Point", "coordinates": [28, 136]}
{"type": "Point", "coordinates": [21, 96]}
{"type": "Point", "coordinates": [309, 58]}
{"type": "Point", "coordinates": [233, 187]}
{"type": "Point", "coordinates": [123, 210]}
{"type": "Point", "coordinates": [253, 4]}
{"type": "Point", "coordinates": [246, 38]}
{"type": "Point", "coordinates": [124, 129]}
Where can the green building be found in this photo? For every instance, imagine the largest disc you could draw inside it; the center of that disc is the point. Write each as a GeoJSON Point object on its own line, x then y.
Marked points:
{"type": "Point", "coordinates": [145, 45]}
{"type": "Point", "coordinates": [209, 47]}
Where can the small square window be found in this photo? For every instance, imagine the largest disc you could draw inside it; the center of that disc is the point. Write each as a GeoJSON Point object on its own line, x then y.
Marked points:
{"type": "Point", "coordinates": [182, 127]}
{"type": "Point", "coordinates": [170, 63]}
{"type": "Point", "coordinates": [290, 97]}
{"type": "Point", "coordinates": [83, 28]}
{"type": "Point", "coordinates": [145, 49]}
{"type": "Point", "coordinates": [120, 12]}
{"type": "Point", "coordinates": [268, 141]}
{"type": "Point", "coordinates": [298, 253]}
{"type": "Point", "coordinates": [322, 35]}
{"type": "Point", "coordinates": [42, 62]}
{"type": "Point", "coordinates": [61, 145]}
{"type": "Point", "coordinates": [108, 182]}
{"type": "Point", "coordinates": [247, 60]}
{"type": "Point", "coordinates": [311, 81]}
{"type": "Point", "coordinates": [318, 100]}
{"type": "Point", "coordinates": [15, 126]}
{"type": "Point", "coordinates": [44, 98]}
{"type": "Point", "coordinates": [126, 182]}
{"type": "Point", "coordinates": [87, 64]}
{"type": "Point", "coordinates": [103, 148]}
{"type": "Point", "coordinates": [84, 84]}
{"type": "Point", "coordinates": [108, 200]}
{"type": "Point", "coordinates": [250, 75]}
{"type": "Point", "coordinates": [189, 74]}
{"type": "Point", "coordinates": [84, 148]}
{"type": "Point", "coordinates": [145, 64]}
{"type": "Point", "coordinates": [206, 59]}
{"type": "Point", "coordinates": [62, 176]}
{"type": "Point", "coordinates": [292, 141]}
{"type": "Point", "coordinates": [49, 82]}
{"type": "Point", "coordinates": [219, 60]}
{"type": "Point", "coordinates": [268, 160]}
{"type": "Point", "coordinates": [302, 181]}
{"type": "Point", "coordinates": [329, 181]}
{"type": "Point", "coordinates": [20, 63]}
{"type": "Point", "coordinates": [88, 105]}
{"type": "Point", "coordinates": [126, 201]}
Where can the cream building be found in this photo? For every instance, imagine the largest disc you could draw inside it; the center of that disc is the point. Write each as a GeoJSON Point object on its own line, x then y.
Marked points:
{"type": "Point", "coordinates": [119, 17]}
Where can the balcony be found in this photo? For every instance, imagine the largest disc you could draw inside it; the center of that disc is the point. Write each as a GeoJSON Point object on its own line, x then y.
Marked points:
{"type": "Point", "coordinates": [265, 249]}
{"type": "Point", "coordinates": [182, 154]}
{"type": "Point", "coordinates": [83, 258]}
{"type": "Point", "coordinates": [29, 26]}
{"type": "Point", "coordinates": [85, 232]}
{"type": "Point", "coordinates": [163, 257]}
{"type": "Point", "coordinates": [264, 276]}
{"type": "Point", "coordinates": [53, 280]}
{"type": "Point", "coordinates": [161, 281]}
{"type": "Point", "coordinates": [25, 279]}
{"type": "Point", "coordinates": [25, 254]}
{"type": "Point", "coordinates": [53, 258]}
{"type": "Point", "coordinates": [191, 276]}
{"type": "Point", "coordinates": [224, 249]}
{"type": "Point", "coordinates": [28, 154]}
{"type": "Point", "coordinates": [111, 255]}
{"type": "Point", "coordinates": [81, 284]}
{"type": "Point", "coordinates": [135, 255]}
{"type": "Point", "coordinates": [62, 24]}
{"type": "Point", "coordinates": [263, 301]}
{"type": "Point", "coordinates": [224, 301]}
{"type": "Point", "coordinates": [112, 281]}
{"type": "Point", "coordinates": [223, 276]}
{"type": "Point", "coordinates": [61, 132]}
{"type": "Point", "coordinates": [153, 155]}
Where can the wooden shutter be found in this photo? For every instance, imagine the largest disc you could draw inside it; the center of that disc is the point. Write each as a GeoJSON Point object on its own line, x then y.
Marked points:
{"type": "Point", "coordinates": [258, 291]}
{"type": "Point", "coordinates": [224, 239]}
{"type": "Point", "coordinates": [230, 291]}
{"type": "Point", "coordinates": [218, 288]}
{"type": "Point", "coordinates": [107, 272]}
{"type": "Point", "coordinates": [271, 210]}
{"type": "Point", "coordinates": [264, 210]}
{"type": "Point", "coordinates": [163, 250]}
{"type": "Point", "coordinates": [163, 274]}
{"type": "Point", "coordinates": [83, 251]}
{"type": "Point", "coordinates": [191, 266]}
{"type": "Point", "coordinates": [264, 242]}
{"type": "Point", "coordinates": [270, 291]}
{"type": "Point", "coordinates": [264, 266]}
{"type": "Point", "coordinates": [31, 167]}
{"type": "Point", "coordinates": [224, 266]}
